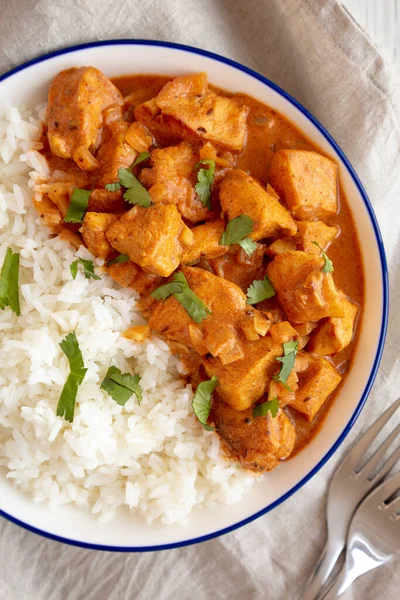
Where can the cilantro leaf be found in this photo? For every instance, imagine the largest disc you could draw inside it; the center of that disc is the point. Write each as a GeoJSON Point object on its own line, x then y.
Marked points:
{"type": "Point", "coordinates": [121, 386]}
{"type": "Point", "coordinates": [67, 400]}
{"type": "Point", "coordinates": [9, 288]}
{"type": "Point", "coordinates": [113, 187]}
{"type": "Point", "coordinates": [88, 268]}
{"type": "Point", "coordinates": [328, 266]}
{"type": "Point", "coordinates": [287, 360]}
{"type": "Point", "coordinates": [135, 192]}
{"type": "Point", "coordinates": [248, 245]}
{"type": "Point", "coordinates": [236, 233]}
{"type": "Point", "coordinates": [205, 178]}
{"type": "Point", "coordinates": [272, 406]}
{"type": "Point", "coordinates": [78, 206]}
{"type": "Point", "coordinates": [195, 307]}
{"type": "Point", "coordinates": [142, 156]}
{"type": "Point", "coordinates": [259, 290]}
{"type": "Point", "coordinates": [121, 258]}
{"type": "Point", "coordinates": [201, 402]}
{"type": "Point", "coordinates": [179, 288]}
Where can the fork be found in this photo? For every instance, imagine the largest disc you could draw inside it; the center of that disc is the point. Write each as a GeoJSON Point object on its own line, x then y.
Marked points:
{"type": "Point", "coordinates": [349, 485]}
{"type": "Point", "coordinates": [374, 535]}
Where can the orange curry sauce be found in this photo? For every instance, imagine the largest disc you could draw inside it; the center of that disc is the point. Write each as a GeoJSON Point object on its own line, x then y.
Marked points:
{"type": "Point", "coordinates": [267, 132]}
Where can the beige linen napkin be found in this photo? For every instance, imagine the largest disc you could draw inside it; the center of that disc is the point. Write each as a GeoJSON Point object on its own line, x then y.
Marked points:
{"type": "Point", "coordinates": [317, 53]}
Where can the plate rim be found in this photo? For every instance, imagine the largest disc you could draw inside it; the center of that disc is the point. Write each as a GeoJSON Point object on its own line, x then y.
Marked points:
{"type": "Point", "coordinates": [385, 290]}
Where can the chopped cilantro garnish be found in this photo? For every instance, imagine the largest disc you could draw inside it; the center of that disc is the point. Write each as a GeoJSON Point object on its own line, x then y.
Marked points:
{"type": "Point", "coordinates": [142, 156]}
{"type": "Point", "coordinates": [9, 289]}
{"type": "Point", "coordinates": [179, 288]}
{"type": "Point", "coordinates": [135, 193]}
{"type": "Point", "coordinates": [78, 206]}
{"type": "Point", "coordinates": [113, 187]}
{"type": "Point", "coordinates": [328, 266]}
{"type": "Point", "coordinates": [287, 360]}
{"type": "Point", "coordinates": [121, 258]}
{"type": "Point", "coordinates": [236, 232]}
{"type": "Point", "coordinates": [66, 403]}
{"type": "Point", "coordinates": [205, 178]}
{"type": "Point", "coordinates": [88, 268]}
{"type": "Point", "coordinates": [248, 245]}
{"type": "Point", "coordinates": [121, 386]}
{"type": "Point", "coordinates": [272, 406]}
{"type": "Point", "coordinates": [259, 290]}
{"type": "Point", "coordinates": [201, 402]}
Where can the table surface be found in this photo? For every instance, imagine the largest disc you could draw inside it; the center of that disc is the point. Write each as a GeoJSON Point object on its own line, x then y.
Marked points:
{"type": "Point", "coordinates": [381, 20]}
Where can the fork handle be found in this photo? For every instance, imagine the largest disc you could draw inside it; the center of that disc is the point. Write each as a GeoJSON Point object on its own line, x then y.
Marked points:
{"type": "Point", "coordinates": [322, 570]}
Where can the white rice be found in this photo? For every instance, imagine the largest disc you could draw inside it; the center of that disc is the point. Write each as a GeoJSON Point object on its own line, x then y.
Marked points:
{"type": "Point", "coordinates": [155, 459]}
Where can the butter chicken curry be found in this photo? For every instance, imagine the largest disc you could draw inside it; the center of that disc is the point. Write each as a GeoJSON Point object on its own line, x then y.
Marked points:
{"type": "Point", "coordinates": [233, 229]}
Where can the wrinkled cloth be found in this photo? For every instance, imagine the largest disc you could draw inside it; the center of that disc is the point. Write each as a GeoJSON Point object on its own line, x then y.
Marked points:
{"type": "Point", "coordinates": [314, 50]}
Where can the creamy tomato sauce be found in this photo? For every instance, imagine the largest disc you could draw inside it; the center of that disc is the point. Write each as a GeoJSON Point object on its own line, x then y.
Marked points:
{"type": "Point", "coordinates": [267, 132]}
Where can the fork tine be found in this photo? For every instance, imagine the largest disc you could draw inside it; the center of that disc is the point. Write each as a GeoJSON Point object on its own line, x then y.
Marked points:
{"type": "Point", "coordinates": [394, 505]}
{"type": "Point", "coordinates": [379, 453]}
{"type": "Point", "coordinates": [385, 490]}
{"type": "Point", "coordinates": [366, 440]}
{"type": "Point", "coordinates": [392, 460]}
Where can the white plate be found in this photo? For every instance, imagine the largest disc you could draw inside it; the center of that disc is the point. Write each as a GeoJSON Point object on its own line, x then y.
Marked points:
{"type": "Point", "coordinates": [28, 85]}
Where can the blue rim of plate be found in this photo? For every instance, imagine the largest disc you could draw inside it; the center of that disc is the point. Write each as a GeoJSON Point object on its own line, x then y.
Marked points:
{"type": "Point", "coordinates": [385, 283]}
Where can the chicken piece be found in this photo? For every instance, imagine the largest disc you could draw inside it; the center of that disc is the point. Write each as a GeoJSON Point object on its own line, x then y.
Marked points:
{"type": "Point", "coordinates": [124, 273]}
{"type": "Point", "coordinates": [93, 231]}
{"type": "Point", "coordinates": [171, 180]}
{"type": "Point", "coordinates": [113, 155]}
{"type": "Point", "coordinates": [77, 98]}
{"type": "Point", "coordinates": [240, 194]}
{"type": "Point", "coordinates": [315, 384]}
{"type": "Point", "coordinates": [334, 334]}
{"type": "Point", "coordinates": [205, 242]}
{"type": "Point", "coordinates": [307, 182]}
{"type": "Point", "coordinates": [314, 231]}
{"type": "Point", "coordinates": [304, 290]}
{"type": "Point", "coordinates": [258, 443]}
{"type": "Point", "coordinates": [280, 246]}
{"type": "Point", "coordinates": [188, 108]}
{"type": "Point", "coordinates": [49, 213]}
{"type": "Point", "coordinates": [243, 382]}
{"type": "Point", "coordinates": [221, 333]}
{"type": "Point", "coordinates": [104, 201]}
{"type": "Point", "coordinates": [239, 268]}
{"type": "Point", "coordinates": [308, 232]}
{"type": "Point", "coordinates": [151, 237]}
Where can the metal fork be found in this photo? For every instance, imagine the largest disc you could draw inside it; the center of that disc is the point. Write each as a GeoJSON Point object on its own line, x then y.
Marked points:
{"type": "Point", "coordinates": [349, 485]}
{"type": "Point", "coordinates": [374, 535]}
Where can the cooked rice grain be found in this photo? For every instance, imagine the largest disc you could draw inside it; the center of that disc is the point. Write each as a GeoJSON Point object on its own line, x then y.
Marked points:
{"type": "Point", "coordinates": [154, 459]}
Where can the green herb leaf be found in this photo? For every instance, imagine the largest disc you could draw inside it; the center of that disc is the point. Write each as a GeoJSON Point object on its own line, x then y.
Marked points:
{"type": "Point", "coordinates": [248, 245]}
{"type": "Point", "coordinates": [179, 288]}
{"type": "Point", "coordinates": [78, 206]}
{"type": "Point", "coordinates": [142, 156]}
{"type": "Point", "coordinates": [272, 406]}
{"type": "Point", "coordinates": [66, 403]}
{"type": "Point", "coordinates": [328, 266]}
{"type": "Point", "coordinates": [259, 290]}
{"type": "Point", "coordinates": [205, 178]}
{"type": "Point", "coordinates": [287, 360]}
{"type": "Point", "coordinates": [121, 386]}
{"type": "Point", "coordinates": [9, 288]}
{"type": "Point", "coordinates": [88, 268]}
{"type": "Point", "coordinates": [113, 187]}
{"type": "Point", "coordinates": [236, 232]}
{"type": "Point", "coordinates": [121, 258]}
{"type": "Point", "coordinates": [135, 192]}
{"type": "Point", "coordinates": [201, 402]}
